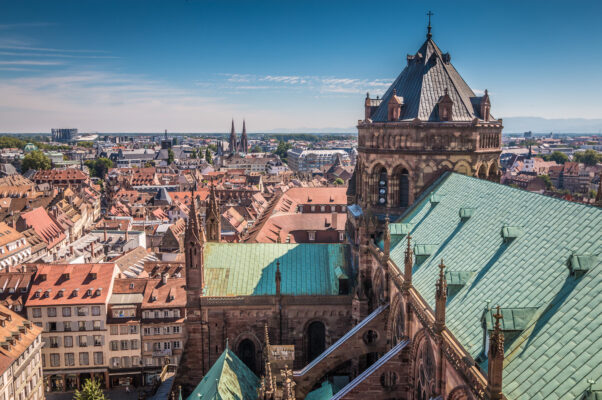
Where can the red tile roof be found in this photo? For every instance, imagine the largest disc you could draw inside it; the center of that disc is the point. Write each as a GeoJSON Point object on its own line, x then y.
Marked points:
{"type": "Point", "coordinates": [57, 175]}
{"type": "Point", "coordinates": [28, 333]}
{"type": "Point", "coordinates": [44, 226]}
{"type": "Point", "coordinates": [51, 285]}
{"type": "Point", "coordinates": [161, 295]}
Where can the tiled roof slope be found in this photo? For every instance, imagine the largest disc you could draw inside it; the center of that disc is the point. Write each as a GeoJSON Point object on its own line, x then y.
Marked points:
{"type": "Point", "coordinates": [560, 346]}
{"type": "Point", "coordinates": [244, 269]}
{"type": "Point", "coordinates": [422, 83]}
{"type": "Point", "coordinates": [228, 378]}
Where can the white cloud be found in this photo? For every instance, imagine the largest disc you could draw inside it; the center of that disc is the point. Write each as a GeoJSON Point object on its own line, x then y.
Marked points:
{"type": "Point", "coordinates": [30, 62]}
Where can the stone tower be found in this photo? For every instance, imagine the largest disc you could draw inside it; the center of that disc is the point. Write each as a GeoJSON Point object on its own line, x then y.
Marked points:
{"type": "Point", "coordinates": [233, 142]}
{"type": "Point", "coordinates": [192, 367]}
{"type": "Point", "coordinates": [428, 121]}
{"type": "Point", "coordinates": [213, 221]}
{"type": "Point", "coordinates": [244, 141]}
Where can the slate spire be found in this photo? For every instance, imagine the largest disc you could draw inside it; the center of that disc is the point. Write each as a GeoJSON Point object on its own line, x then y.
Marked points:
{"type": "Point", "coordinates": [233, 143]}
{"type": "Point", "coordinates": [244, 141]}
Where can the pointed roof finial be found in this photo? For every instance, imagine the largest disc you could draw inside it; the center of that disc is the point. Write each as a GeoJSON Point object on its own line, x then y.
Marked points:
{"type": "Point", "coordinates": [498, 315]}
{"type": "Point", "coordinates": [429, 34]}
{"type": "Point", "coordinates": [227, 345]}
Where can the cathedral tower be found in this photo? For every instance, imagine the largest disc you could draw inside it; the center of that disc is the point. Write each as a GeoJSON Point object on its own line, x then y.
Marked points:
{"type": "Point", "coordinates": [244, 141]}
{"type": "Point", "coordinates": [428, 121]}
{"type": "Point", "coordinates": [194, 239]}
{"type": "Point", "coordinates": [213, 221]}
{"type": "Point", "coordinates": [233, 142]}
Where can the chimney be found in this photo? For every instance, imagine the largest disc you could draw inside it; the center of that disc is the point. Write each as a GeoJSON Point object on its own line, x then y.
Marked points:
{"type": "Point", "coordinates": [164, 278]}
{"type": "Point", "coordinates": [334, 220]}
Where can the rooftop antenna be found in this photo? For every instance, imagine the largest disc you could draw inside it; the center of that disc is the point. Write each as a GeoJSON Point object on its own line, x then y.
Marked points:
{"type": "Point", "coordinates": [429, 34]}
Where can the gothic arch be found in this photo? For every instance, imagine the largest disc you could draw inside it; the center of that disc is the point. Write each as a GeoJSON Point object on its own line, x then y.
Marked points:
{"type": "Point", "coordinates": [379, 286]}
{"type": "Point", "coordinates": [423, 369]}
{"type": "Point", "coordinates": [482, 171]}
{"type": "Point", "coordinates": [494, 172]}
{"type": "Point", "coordinates": [401, 186]}
{"type": "Point", "coordinates": [396, 321]}
{"type": "Point", "coordinates": [463, 167]}
{"type": "Point", "coordinates": [445, 165]}
{"type": "Point", "coordinates": [245, 337]}
{"type": "Point", "coordinates": [379, 185]}
{"type": "Point", "coordinates": [314, 339]}
{"type": "Point", "coordinates": [460, 393]}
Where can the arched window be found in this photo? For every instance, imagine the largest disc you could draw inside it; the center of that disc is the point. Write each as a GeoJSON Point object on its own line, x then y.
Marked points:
{"type": "Point", "coordinates": [425, 372]}
{"type": "Point", "coordinates": [483, 171]}
{"type": "Point", "coordinates": [316, 340]}
{"type": "Point", "coordinates": [246, 353]}
{"type": "Point", "coordinates": [404, 188]}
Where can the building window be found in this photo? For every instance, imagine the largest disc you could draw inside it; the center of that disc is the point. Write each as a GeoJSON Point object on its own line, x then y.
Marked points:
{"type": "Point", "coordinates": [82, 341]}
{"type": "Point", "coordinates": [66, 311]}
{"type": "Point", "coordinates": [82, 311]}
{"type": "Point", "coordinates": [176, 344]}
{"type": "Point", "coordinates": [68, 341]}
{"type": "Point", "coordinates": [312, 235]}
{"type": "Point", "coordinates": [84, 359]}
{"type": "Point", "coordinates": [97, 340]}
{"type": "Point", "coordinates": [167, 345]}
{"type": "Point", "coordinates": [123, 330]}
{"type": "Point", "coordinates": [67, 326]}
{"type": "Point", "coordinates": [52, 327]}
{"type": "Point", "coordinates": [165, 314]}
{"type": "Point", "coordinates": [114, 329]}
{"type": "Point", "coordinates": [134, 344]}
{"type": "Point", "coordinates": [176, 313]}
{"type": "Point", "coordinates": [313, 208]}
{"type": "Point", "coordinates": [55, 360]}
{"type": "Point", "coordinates": [81, 325]}
{"type": "Point", "coordinates": [157, 331]}
{"type": "Point", "coordinates": [341, 236]}
{"type": "Point", "coordinates": [114, 345]}
{"type": "Point", "coordinates": [166, 330]}
{"type": "Point", "coordinates": [36, 312]}
{"type": "Point", "coordinates": [147, 331]}
{"type": "Point", "coordinates": [133, 329]}
{"type": "Point", "coordinates": [51, 311]}
{"type": "Point", "coordinates": [322, 208]}
{"type": "Point", "coordinates": [95, 311]}
{"type": "Point", "coordinates": [124, 345]}
{"type": "Point", "coordinates": [157, 314]}
{"type": "Point", "coordinates": [69, 359]}
{"type": "Point", "coordinates": [54, 342]}
{"type": "Point", "coordinates": [97, 325]}
{"type": "Point", "coordinates": [333, 208]}
{"type": "Point", "coordinates": [98, 359]}
{"type": "Point", "coordinates": [176, 329]}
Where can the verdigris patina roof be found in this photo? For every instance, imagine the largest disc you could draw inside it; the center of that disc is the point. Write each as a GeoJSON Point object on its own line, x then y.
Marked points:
{"type": "Point", "coordinates": [245, 269]}
{"type": "Point", "coordinates": [552, 314]}
{"type": "Point", "coordinates": [228, 378]}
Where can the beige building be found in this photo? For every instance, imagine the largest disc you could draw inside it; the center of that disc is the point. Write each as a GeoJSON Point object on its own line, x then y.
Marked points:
{"type": "Point", "coordinates": [20, 358]}
{"type": "Point", "coordinates": [69, 301]}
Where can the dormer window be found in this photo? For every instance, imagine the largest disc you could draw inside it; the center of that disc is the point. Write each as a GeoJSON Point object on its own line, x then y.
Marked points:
{"type": "Point", "coordinates": [61, 292]}
{"type": "Point", "coordinates": [74, 293]}
{"type": "Point", "coordinates": [394, 106]}
{"type": "Point", "coordinates": [485, 106]}
{"type": "Point", "coordinates": [37, 293]}
{"type": "Point", "coordinates": [98, 291]}
{"type": "Point", "coordinates": [89, 292]}
{"type": "Point", "coordinates": [445, 106]}
{"type": "Point", "coordinates": [92, 275]}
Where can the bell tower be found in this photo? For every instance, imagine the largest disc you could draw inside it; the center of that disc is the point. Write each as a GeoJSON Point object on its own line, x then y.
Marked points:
{"type": "Point", "coordinates": [194, 239]}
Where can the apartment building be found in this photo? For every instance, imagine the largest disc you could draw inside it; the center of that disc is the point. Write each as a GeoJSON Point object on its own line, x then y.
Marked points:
{"type": "Point", "coordinates": [125, 340]}
{"type": "Point", "coordinates": [20, 358]}
{"type": "Point", "coordinates": [301, 160]}
{"type": "Point", "coordinates": [69, 301]}
{"type": "Point", "coordinates": [163, 331]}
{"type": "Point", "coordinates": [14, 248]}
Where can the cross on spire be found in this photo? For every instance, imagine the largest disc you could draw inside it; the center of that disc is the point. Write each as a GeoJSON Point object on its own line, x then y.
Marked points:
{"type": "Point", "coordinates": [429, 34]}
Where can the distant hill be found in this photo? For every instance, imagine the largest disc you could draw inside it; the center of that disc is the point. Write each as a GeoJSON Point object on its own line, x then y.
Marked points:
{"type": "Point", "coordinates": [544, 125]}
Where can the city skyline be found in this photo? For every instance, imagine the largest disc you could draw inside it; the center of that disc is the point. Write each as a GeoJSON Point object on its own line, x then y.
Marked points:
{"type": "Point", "coordinates": [191, 66]}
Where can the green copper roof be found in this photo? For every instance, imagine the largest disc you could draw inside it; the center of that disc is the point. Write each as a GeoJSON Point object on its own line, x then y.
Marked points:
{"type": "Point", "coordinates": [229, 378]}
{"type": "Point", "coordinates": [324, 392]}
{"type": "Point", "coordinates": [244, 269]}
{"type": "Point", "coordinates": [559, 347]}
{"type": "Point", "coordinates": [400, 229]}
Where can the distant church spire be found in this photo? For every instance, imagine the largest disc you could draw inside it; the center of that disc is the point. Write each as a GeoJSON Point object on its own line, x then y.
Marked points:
{"type": "Point", "coordinates": [233, 145]}
{"type": "Point", "coordinates": [244, 141]}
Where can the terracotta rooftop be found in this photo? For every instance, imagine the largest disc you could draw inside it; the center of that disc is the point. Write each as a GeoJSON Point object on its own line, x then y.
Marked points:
{"type": "Point", "coordinates": [22, 332]}
{"type": "Point", "coordinates": [71, 284]}
{"type": "Point", "coordinates": [54, 175]}
{"type": "Point", "coordinates": [172, 293]}
{"type": "Point", "coordinates": [43, 225]}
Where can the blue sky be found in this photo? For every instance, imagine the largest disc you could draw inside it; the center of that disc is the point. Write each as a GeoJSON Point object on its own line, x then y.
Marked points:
{"type": "Point", "coordinates": [191, 65]}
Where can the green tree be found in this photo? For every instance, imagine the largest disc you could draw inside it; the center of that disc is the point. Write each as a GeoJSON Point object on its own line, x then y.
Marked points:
{"type": "Point", "coordinates": [149, 164]}
{"type": "Point", "coordinates": [281, 150]}
{"type": "Point", "coordinates": [99, 167]}
{"type": "Point", "coordinates": [35, 160]}
{"type": "Point", "coordinates": [201, 153]}
{"type": "Point", "coordinates": [7, 142]}
{"type": "Point", "coordinates": [587, 157]}
{"type": "Point", "coordinates": [86, 144]}
{"type": "Point", "coordinates": [91, 390]}
{"type": "Point", "coordinates": [339, 181]}
{"type": "Point", "coordinates": [256, 149]}
{"type": "Point", "coordinates": [193, 154]}
{"type": "Point", "coordinates": [208, 156]}
{"type": "Point", "coordinates": [546, 179]}
{"type": "Point", "coordinates": [557, 156]}
{"type": "Point", "coordinates": [170, 156]}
